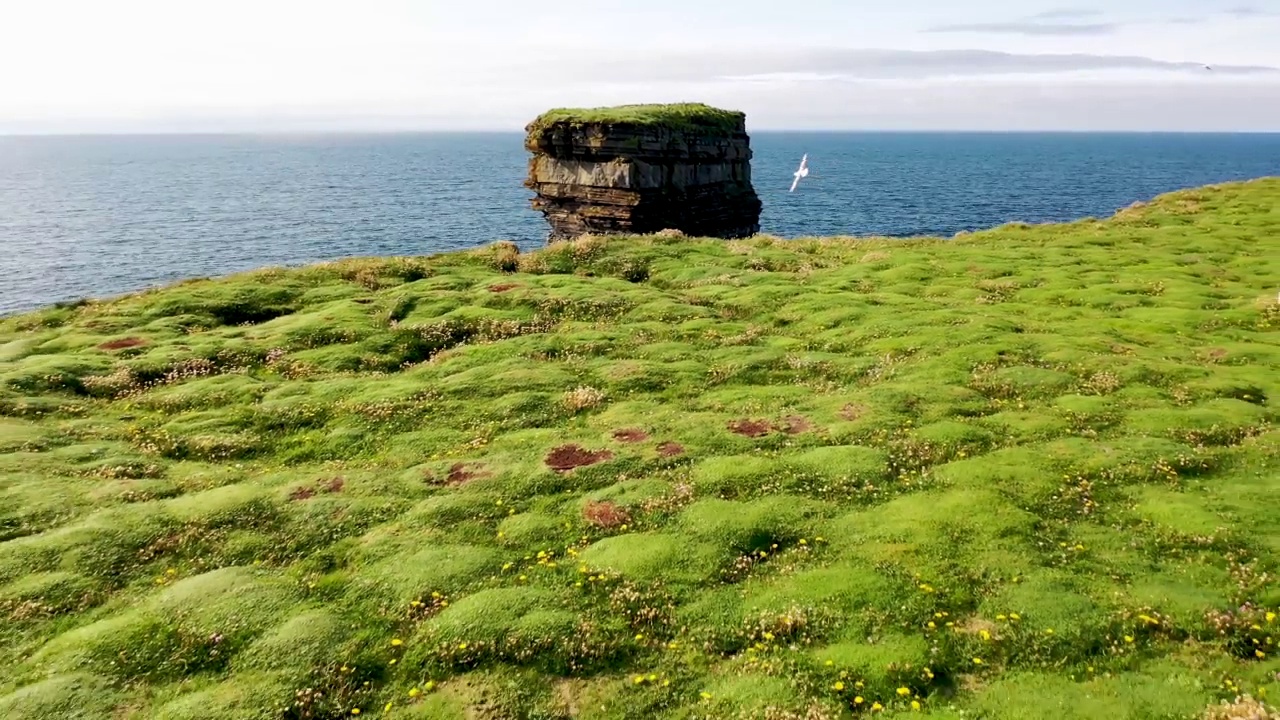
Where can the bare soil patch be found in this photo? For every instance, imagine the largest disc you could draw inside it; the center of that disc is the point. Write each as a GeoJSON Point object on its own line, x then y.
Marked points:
{"type": "Point", "coordinates": [605, 514]}
{"type": "Point", "coordinates": [302, 493]}
{"type": "Point", "coordinates": [568, 457]}
{"type": "Point", "coordinates": [502, 287]}
{"type": "Point", "coordinates": [750, 428]}
{"type": "Point", "coordinates": [630, 435]}
{"type": "Point", "coordinates": [795, 425]}
{"type": "Point", "coordinates": [852, 412]}
{"type": "Point", "coordinates": [462, 473]}
{"type": "Point", "coordinates": [670, 449]}
{"type": "Point", "coordinates": [122, 343]}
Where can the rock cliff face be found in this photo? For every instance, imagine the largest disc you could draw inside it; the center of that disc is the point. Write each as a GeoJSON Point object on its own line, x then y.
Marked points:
{"type": "Point", "coordinates": [642, 169]}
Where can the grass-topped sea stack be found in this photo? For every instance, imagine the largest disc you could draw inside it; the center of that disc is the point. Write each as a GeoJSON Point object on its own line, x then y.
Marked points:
{"type": "Point", "coordinates": [641, 169]}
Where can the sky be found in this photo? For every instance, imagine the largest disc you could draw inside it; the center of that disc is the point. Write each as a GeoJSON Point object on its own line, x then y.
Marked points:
{"type": "Point", "coordinates": [72, 66]}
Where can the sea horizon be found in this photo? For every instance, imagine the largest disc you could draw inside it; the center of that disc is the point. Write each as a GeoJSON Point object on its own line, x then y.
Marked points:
{"type": "Point", "coordinates": [521, 132]}
{"type": "Point", "coordinates": [106, 214]}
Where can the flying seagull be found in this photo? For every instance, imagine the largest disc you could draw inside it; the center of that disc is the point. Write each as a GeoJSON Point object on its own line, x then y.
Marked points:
{"type": "Point", "coordinates": [1206, 67]}
{"type": "Point", "coordinates": [803, 171]}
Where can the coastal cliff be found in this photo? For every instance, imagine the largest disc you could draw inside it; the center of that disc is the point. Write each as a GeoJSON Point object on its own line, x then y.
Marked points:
{"type": "Point", "coordinates": [641, 169]}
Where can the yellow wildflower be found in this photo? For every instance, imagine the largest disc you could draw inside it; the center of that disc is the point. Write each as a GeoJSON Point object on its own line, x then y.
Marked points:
{"type": "Point", "coordinates": [877, 707]}
{"type": "Point", "coordinates": [838, 686]}
{"type": "Point", "coordinates": [858, 700]}
{"type": "Point", "coordinates": [903, 692]}
{"type": "Point", "coordinates": [977, 661]}
{"type": "Point", "coordinates": [705, 695]}
{"type": "Point", "coordinates": [414, 692]}
{"type": "Point", "coordinates": [1128, 638]}
{"type": "Point", "coordinates": [639, 679]}
{"type": "Point", "coordinates": [1271, 617]}
{"type": "Point", "coordinates": [915, 704]}
{"type": "Point", "coordinates": [397, 642]}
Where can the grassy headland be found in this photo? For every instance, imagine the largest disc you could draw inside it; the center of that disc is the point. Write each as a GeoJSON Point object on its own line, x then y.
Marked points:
{"type": "Point", "coordinates": [1025, 473]}
{"type": "Point", "coordinates": [673, 116]}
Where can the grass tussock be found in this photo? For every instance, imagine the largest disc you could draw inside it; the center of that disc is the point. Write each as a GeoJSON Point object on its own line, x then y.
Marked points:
{"type": "Point", "coordinates": [1029, 472]}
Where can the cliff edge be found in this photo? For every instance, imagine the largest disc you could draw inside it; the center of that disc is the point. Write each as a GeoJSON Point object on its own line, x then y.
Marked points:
{"type": "Point", "coordinates": [641, 169]}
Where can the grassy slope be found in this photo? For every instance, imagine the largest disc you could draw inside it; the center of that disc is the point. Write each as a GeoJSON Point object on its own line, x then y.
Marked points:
{"type": "Point", "coordinates": [1028, 473]}
{"type": "Point", "coordinates": [679, 116]}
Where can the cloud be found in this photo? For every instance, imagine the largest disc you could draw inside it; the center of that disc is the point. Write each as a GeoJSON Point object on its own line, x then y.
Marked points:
{"type": "Point", "coordinates": [1066, 14]}
{"type": "Point", "coordinates": [1067, 22]}
{"type": "Point", "coordinates": [1240, 12]}
{"type": "Point", "coordinates": [1061, 22]}
{"type": "Point", "coordinates": [870, 64]}
{"type": "Point", "coordinates": [1029, 28]}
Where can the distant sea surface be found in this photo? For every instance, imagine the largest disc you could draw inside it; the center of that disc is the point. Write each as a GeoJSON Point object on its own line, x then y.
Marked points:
{"type": "Point", "coordinates": [99, 216]}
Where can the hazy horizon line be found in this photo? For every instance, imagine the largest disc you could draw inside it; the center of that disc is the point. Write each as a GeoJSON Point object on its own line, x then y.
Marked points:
{"type": "Point", "coordinates": [507, 131]}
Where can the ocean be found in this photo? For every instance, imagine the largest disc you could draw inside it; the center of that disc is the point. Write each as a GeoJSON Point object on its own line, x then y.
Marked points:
{"type": "Point", "coordinates": [102, 215]}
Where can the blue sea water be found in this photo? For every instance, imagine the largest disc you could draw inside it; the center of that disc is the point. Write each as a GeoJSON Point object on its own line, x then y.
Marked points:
{"type": "Point", "coordinates": [97, 216]}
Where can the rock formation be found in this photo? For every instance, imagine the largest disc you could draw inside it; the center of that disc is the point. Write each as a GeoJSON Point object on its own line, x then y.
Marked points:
{"type": "Point", "coordinates": [642, 169]}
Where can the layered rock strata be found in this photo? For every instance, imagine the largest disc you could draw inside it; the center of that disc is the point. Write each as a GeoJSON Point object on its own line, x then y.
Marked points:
{"type": "Point", "coordinates": [643, 169]}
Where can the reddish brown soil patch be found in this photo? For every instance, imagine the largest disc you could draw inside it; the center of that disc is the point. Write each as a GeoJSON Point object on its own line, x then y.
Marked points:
{"type": "Point", "coordinates": [670, 449]}
{"type": "Point", "coordinates": [750, 428]}
{"type": "Point", "coordinates": [605, 515]}
{"type": "Point", "coordinates": [795, 425]}
{"type": "Point", "coordinates": [630, 435]}
{"type": "Point", "coordinates": [335, 485]}
{"type": "Point", "coordinates": [461, 474]}
{"type": "Point", "coordinates": [568, 457]}
{"type": "Point", "coordinates": [122, 343]}
{"type": "Point", "coordinates": [302, 493]}
{"type": "Point", "coordinates": [502, 287]}
{"type": "Point", "coordinates": [852, 412]}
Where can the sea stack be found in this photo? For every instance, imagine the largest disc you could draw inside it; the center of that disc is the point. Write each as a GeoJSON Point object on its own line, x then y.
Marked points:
{"type": "Point", "coordinates": [636, 169]}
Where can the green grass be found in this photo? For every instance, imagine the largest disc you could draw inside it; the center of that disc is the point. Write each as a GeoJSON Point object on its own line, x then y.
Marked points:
{"type": "Point", "coordinates": [1022, 473]}
{"type": "Point", "coordinates": [674, 116]}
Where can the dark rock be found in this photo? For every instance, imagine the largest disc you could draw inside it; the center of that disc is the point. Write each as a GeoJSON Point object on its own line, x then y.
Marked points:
{"type": "Point", "coordinates": [633, 170]}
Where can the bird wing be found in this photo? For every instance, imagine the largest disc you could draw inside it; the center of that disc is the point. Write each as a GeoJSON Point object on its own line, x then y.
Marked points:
{"type": "Point", "coordinates": [794, 183]}
{"type": "Point", "coordinates": [804, 160]}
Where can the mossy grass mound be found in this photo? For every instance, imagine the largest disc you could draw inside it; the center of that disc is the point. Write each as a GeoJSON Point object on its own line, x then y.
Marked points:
{"type": "Point", "coordinates": [1027, 472]}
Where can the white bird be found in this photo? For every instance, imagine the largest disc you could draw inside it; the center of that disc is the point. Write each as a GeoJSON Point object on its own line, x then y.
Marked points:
{"type": "Point", "coordinates": [802, 172]}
